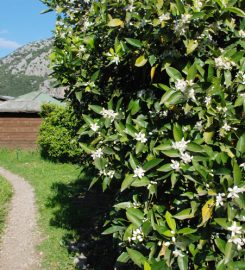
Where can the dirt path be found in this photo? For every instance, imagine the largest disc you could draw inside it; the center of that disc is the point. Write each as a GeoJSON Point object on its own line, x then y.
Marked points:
{"type": "Point", "coordinates": [18, 244]}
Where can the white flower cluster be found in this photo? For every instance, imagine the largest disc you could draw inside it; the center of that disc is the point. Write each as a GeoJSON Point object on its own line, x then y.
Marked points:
{"type": "Point", "coordinates": [140, 137]}
{"type": "Point", "coordinates": [97, 153]}
{"type": "Point", "coordinates": [139, 172]}
{"type": "Point", "coordinates": [185, 157]}
{"type": "Point", "coordinates": [181, 25]}
{"type": "Point", "coordinates": [186, 88]}
{"type": "Point", "coordinates": [94, 127]}
{"type": "Point", "coordinates": [137, 235]}
{"type": "Point", "coordinates": [222, 62]}
{"type": "Point", "coordinates": [236, 238]}
{"type": "Point", "coordinates": [241, 33]}
{"type": "Point", "coordinates": [109, 114]}
{"type": "Point", "coordinates": [233, 192]}
{"type": "Point", "coordinates": [109, 173]}
{"type": "Point", "coordinates": [164, 17]}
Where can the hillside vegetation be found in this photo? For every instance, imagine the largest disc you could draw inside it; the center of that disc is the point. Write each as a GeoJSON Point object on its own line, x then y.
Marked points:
{"type": "Point", "coordinates": [27, 69]}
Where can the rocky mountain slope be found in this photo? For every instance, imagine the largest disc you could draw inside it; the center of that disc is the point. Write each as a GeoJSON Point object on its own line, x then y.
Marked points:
{"type": "Point", "coordinates": [27, 69]}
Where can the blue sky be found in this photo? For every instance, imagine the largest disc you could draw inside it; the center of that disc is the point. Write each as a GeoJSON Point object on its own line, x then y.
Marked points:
{"type": "Point", "coordinates": [21, 23]}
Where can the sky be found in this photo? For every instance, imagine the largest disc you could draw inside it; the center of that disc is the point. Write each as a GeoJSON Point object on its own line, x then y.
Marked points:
{"type": "Point", "coordinates": [21, 23]}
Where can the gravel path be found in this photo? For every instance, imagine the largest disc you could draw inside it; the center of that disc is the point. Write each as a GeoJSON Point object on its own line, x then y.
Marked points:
{"type": "Point", "coordinates": [19, 241]}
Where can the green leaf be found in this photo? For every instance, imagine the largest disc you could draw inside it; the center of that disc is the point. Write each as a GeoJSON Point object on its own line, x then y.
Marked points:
{"type": "Point", "coordinates": [180, 6]}
{"type": "Point", "coordinates": [241, 144]}
{"type": "Point", "coordinates": [194, 147]}
{"type": "Point", "coordinates": [134, 42]}
{"type": "Point", "coordinates": [173, 73]}
{"type": "Point", "coordinates": [186, 231]}
{"type": "Point", "coordinates": [143, 182]}
{"type": "Point", "coordinates": [220, 244]}
{"type": "Point", "coordinates": [171, 153]}
{"type": "Point", "coordinates": [96, 108]}
{"type": "Point", "coordinates": [115, 23]}
{"type": "Point", "coordinates": [165, 168]}
{"type": "Point", "coordinates": [237, 173]}
{"type": "Point", "coordinates": [135, 216]}
{"type": "Point", "coordinates": [140, 61]}
{"type": "Point", "coordinates": [177, 132]}
{"type": "Point", "coordinates": [185, 214]}
{"type": "Point", "coordinates": [88, 119]}
{"type": "Point", "coordinates": [222, 222]}
{"type": "Point", "coordinates": [236, 10]}
{"type": "Point", "coordinates": [130, 130]}
{"type": "Point", "coordinates": [138, 258]}
{"type": "Point", "coordinates": [170, 221]}
{"type": "Point", "coordinates": [229, 252]}
{"type": "Point", "coordinates": [133, 162]}
{"type": "Point", "coordinates": [183, 262]}
{"type": "Point", "coordinates": [123, 205]}
{"type": "Point", "coordinates": [190, 45]}
{"type": "Point", "coordinates": [152, 60]}
{"type": "Point", "coordinates": [113, 229]}
{"type": "Point", "coordinates": [123, 258]}
{"type": "Point", "coordinates": [127, 182]}
{"type": "Point", "coordinates": [147, 266]}
{"type": "Point", "coordinates": [151, 164]}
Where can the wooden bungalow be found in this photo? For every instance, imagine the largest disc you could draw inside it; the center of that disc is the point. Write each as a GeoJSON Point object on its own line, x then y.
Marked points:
{"type": "Point", "coordinates": [20, 120]}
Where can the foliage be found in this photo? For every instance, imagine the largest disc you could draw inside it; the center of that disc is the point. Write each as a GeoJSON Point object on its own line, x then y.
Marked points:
{"type": "Point", "coordinates": [57, 137]}
{"type": "Point", "coordinates": [5, 196]}
{"type": "Point", "coordinates": [160, 86]}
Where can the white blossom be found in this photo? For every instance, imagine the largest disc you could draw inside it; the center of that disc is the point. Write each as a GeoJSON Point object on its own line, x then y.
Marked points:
{"type": "Point", "coordinates": [164, 17]}
{"type": "Point", "coordinates": [82, 48]}
{"type": "Point", "coordinates": [235, 229]}
{"type": "Point", "coordinates": [233, 192]}
{"type": "Point", "coordinates": [109, 173]}
{"type": "Point", "coordinates": [199, 126]}
{"type": "Point", "coordinates": [222, 62]}
{"type": "Point", "coordinates": [115, 59]}
{"type": "Point", "coordinates": [242, 166]}
{"type": "Point", "coordinates": [185, 18]}
{"type": "Point", "coordinates": [178, 253]}
{"type": "Point", "coordinates": [139, 172]}
{"type": "Point", "coordinates": [175, 165]}
{"type": "Point", "coordinates": [226, 127]}
{"type": "Point", "coordinates": [241, 33]}
{"type": "Point", "coordinates": [219, 199]}
{"type": "Point", "coordinates": [109, 114]}
{"type": "Point", "coordinates": [180, 145]}
{"type": "Point", "coordinates": [140, 137]}
{"type": "Point", "coordinates": [186, 157]}
{"type": "Point", "coordinates": [97, 154]}
{"type": "Point", "coordinates": [237, 241]}
{"type": "Point", "coordinates": [87, 24]}
{"type": "Point", "coordinates": [94, 126]}
{"type": "Point", "coordinates": [181, 85]}
{"type": "Point", "coordinates": [207, 101]}
{"type": "Point", "coordinates": [167, 244]}
{"type": "Point", "coordinates": [137, 235]}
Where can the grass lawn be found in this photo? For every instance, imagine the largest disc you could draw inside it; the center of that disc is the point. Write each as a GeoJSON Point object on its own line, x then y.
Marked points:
{"type": "Point", "coordinates": [44, 176]}
{"type": "Point", "coordinates": [71, 218]}
{"type": "Point", "coordinates": [5, 196]}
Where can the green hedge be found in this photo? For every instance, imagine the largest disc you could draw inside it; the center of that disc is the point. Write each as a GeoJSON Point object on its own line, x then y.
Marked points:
{"type": "Point", "coordinates": [57, 137]}
{"type": "Point", "coordinates": [161, 89]}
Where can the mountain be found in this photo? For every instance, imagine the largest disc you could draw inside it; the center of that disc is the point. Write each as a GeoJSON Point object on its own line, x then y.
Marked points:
{"type": "Point", "coordinates": [27, 69]}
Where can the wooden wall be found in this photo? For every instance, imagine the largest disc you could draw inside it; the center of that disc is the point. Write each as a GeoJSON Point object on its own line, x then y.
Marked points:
{"type": "Point", "coordinates": [19, 130]}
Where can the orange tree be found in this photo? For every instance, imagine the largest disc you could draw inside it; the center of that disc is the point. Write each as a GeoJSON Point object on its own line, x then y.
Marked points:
{"type": "Point", "coordinates": [160, 86]}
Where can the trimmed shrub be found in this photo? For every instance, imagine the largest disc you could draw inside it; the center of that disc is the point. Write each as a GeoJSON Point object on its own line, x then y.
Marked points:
{"type": "Point", "coordinates": [160, 86]}
{"type": "Point", "coordinates": [57, 137]}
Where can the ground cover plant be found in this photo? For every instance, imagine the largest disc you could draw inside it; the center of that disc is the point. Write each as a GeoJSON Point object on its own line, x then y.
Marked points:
{"type": "Point", "coordinates": [45, 176]}
{"type": "Point", "coordinates": [5, 196]}
{"type": "Point", "coordinates": [160, 86]}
